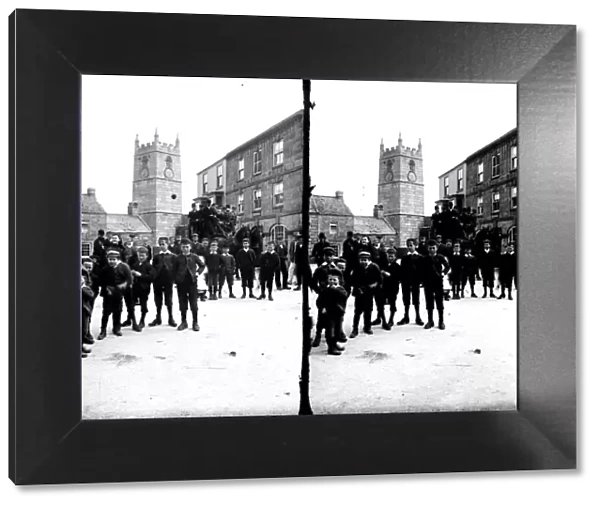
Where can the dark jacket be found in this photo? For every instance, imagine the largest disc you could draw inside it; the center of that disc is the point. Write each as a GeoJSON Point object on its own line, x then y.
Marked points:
{"type": "Point", "coordinates": [228, 263]}
{"type": "Point", "coordinates": [245, 259]}
{"type": "Point", "coordinates": [162, 266]}
{"type": "Point", "coordinates": [317, 251]}
{"type": "Point", "coordinates": [214, 263]}
{"type": "Point", "coordinates": [282, 252]}
{"type": "Point", "coordinates": [366, 280]}
{"type": "Point", "coordinates": [392, 276]}
{"type": "Point", "coordinates": [187, 268]}
{"type": "Point", "coordinates": [410, 266]}
{"type": "Point", "coordinates": [422, 249]}
{"type": "Point", "coordinates": [379, 256]}
{"type": "Point", "coordinates": [333, 301]}
{"type": "Point", "coordinates": [113, 280]}
{"type": "Point", "coordinates": [508, 265]}
{"type": "Point", "coordinates": [321, 274]}
{"type": "Point", "coordinates": [487, 261]}
{"type": "Point", "coordinates": [350, 251]}
{"type": "Point", "coordinates": [198, 249]}
{"type": "Point", "coordinates": [456, 266]}
{"type": "Point", "coordinates": [469, 265]}
{"type": "Point", "coordinates": [146, 274]}
{"type": "Point", "coordinates": [268, 262]}
{"type": "Point", "coordinates": [87, 300]}
{"type": "Point", "coordinates": [175, 248]}
{"type": "Point", "coordinates": [433, 269]}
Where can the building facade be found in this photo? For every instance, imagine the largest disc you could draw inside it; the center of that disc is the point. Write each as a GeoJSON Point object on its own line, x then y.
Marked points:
{"type": "Point", "coordinates": [401, 188]}
{"type": "Point", "coordinates": [262, 179]}
{"type": "Point", "coordinates": [452, 186]}
{"type": "Point", "coordinates": [157, 186]}
{"type": "Point", "coordinates": [491, 185]}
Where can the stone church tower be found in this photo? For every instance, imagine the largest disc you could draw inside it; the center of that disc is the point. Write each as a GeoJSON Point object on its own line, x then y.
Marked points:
{"type": "Point", "coordinates": [401, 189]}
{"type": "Point", "coordinates": [157, 186]}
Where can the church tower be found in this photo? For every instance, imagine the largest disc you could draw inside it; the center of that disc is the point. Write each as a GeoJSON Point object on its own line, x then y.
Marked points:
{"type": "Point", "coordinates": [157, 185]}
{"type": "Point", "coordinates": [401, 189]}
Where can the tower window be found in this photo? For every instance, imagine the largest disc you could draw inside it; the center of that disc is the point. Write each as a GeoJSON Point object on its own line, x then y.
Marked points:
{"type": "Point", "coordinates": [277, 194]}
{"type": "Point", "coordinates": [496, 202]}
{"type": "Point", "coordinates": [278, 153]}
{"type": "Point", "coordinates": [257, 199]}
{"type": "Point", "coordinates": [460, 177]}
{"type": "Point", "coordinates": [496, 165]}
{"type": "Point", "coordinates": [480, 172]}
{"type": "Point", "coordinates": [219, 176]}
{"type": "Point", "coordinates": [257, 162]}
{"type": "Point", "coordinates": [446, 186]}
{"type": "Point", "coordinates": [204, 184]}
{"type": "Point", "coordinates": [241, 169]}
{"type": "Point", "coordinates": [513, 157]}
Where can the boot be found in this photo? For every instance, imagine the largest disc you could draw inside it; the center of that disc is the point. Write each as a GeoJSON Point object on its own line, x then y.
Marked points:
{"type": "Point", "coordinates": [510, 297]}
{"type": "Point", "coordinates": [473, 294]}
{"type": "Point", "coordinates": [157, 321]}
{"type": "Point", "coordinates": [262, 296]}
{"type": "Point", "coordinates": [220, 294]}
{"type": "Point", "coordinates": [117, 332]}
{"type": "Point", "coordinates": [195, 326]}
{"type": "Point", "coordinates": [384, 324]}
{"type": "Point", "coordinates": [127, 322]}
{"type": "Point", "coordinates": [429, 324]}
{"type": "Point", "coordinates": [406, 319]}
{"type": "Point", "coordinates": [354, 333]}
{"type": "Point", "coordinates": [251, 295]}
{"type": "Point", "coordinates": [231, 296]}
{"type": "Point", "coordinates": [244, 293]}
{"type": "Point", "coordinates": [378, 320]}
{"type": "Point", "coordinates": [390, 322]}
{"type": "Point", "coordinates": [134, 326]}
{"type": "Point", "coordinates": [418, 320]}
{"type": "Point", "coordinates": [171, 320]}
{"type": "Point", "coordinates": [333, 351]}
{"type": "Point", "coordinates": [183, 325]}
{"type": "Point", "coordinates": [441, 325]}
{"type": "Point", "coordinates": [85, 350]}
{"type": "Point", "coordinates": [455, 293]}
{"type": "Point", "coordinates": [342, 338]}
{"type": "Point", "coordinates": [462, 293]}
{"type": "Point", "coordinates": [367, 328]}
{"type": "Point", "coordinates": [339, 347]}
{"type": "Point", "coordinates": [270, 296]}
{"type": "Point", "coordinates": [317, 341]}
{"type": "Point", "coordinates": [88, 339]}
{"type": "Point", "coordinates": [142, 323]}
{"type": "Point", "coordinates": [502, 294]}
{"type": "Point", "coordinates": [102, 334]}
{"type": "Point", "coordinates": [484, 293]}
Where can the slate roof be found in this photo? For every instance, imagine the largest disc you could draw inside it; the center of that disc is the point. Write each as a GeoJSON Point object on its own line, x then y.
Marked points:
{"type": "Point", "coordinates": [369, 225]}
{"type": "Point", "coordinates": [330, 206]}
{"type": "Point", "coordinates": [119, 223]}
{"type": "Point", "coordinates": [90, 205]}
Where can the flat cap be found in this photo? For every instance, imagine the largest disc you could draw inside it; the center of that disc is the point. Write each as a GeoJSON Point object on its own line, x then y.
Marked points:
{"type": "Point", "coordinates": [364, 254]}
{"type": "Point", "coordinates": [328, 251]}
{"type": "Point", "coordinates": [113, 253]}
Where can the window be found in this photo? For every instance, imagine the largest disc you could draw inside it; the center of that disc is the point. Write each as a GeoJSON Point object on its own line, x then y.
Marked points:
{"type": "Point", "coordinates": [86, 249]}
{"type": "Point", "coordinates": [277, 194]}
{"type": "Point", "coordinates": [496, 165]}
{"type": "Point", "coordinates": [446, 186]}
{"type": "Point", "coordinates": [257, 162]}
{"type": "Point", "coordinates": [480, 172]}
{"type": "Point", "coordinates": [496, 202]}
{"type": "Point", "coordinates": [333, 228]}
{"type": "Point", "coordinates": [219, 176]}
{"type": "Point", "coordinates": [278, 153]}
{"type": "Point", "coordinates": [278, 233]}
{"type": "Point", "coordinates": [241, 203]}
{"type": "Point", "coordinates": [204, 184]}
{"type": "Point", "coordinates": [460, 177]}
{"type": "Point", "coordinates": [513, 157]}
{"type": "Point", "coordinates": [513, 197]}
{"type": "Point", "coordinates": [480, 206]}
{"type": "Point", "coordinates": [241, 169]}
{"type": "Point", "coordinates": [512, 235]}
{"type": "Point", "coordinates": [257, 198]}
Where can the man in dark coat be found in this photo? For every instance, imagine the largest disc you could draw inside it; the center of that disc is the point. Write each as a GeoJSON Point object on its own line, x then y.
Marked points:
{"type": "Point", "coordinates": [162, 285]}
{"type": "Point", "coordinates": [410, 279]}
{"type": "Point", "coordinates": [350, 250]}
{"type": "Point", "coordinates": [488, 261]}
{"type": "Point", "coordinates": [99, 250]}
{"type": "Point", "coordinates": [317, 254]}
{"type": "Point", "coordinates": [245, 260]}
{"type": "Point", "coordinates": [303, 270]}
{"type": "Point", "coordinates": [281, 274]}
{"type": "Point", "coordinates": [508, 271]}
{"type": "Point", "coordinates": [186, 268]}
{"type": "Point", "coordinates": [366, 278]}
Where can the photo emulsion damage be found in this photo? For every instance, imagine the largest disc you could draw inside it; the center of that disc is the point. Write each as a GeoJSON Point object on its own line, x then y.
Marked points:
{"type": "Point", "coordinates": [413, 236]}
{"type": "Point", "coordinates": [191, 220]}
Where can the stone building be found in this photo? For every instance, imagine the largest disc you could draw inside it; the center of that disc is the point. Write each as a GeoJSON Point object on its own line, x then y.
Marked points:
{"type": "Point", "coordinates": [401, 188]}
{"type": "Point", "coordinates": [262, 179]}
{"type": "Point", "coordinates": [452, 186]}
{"type": "Point", "coordinates": [491, 185]}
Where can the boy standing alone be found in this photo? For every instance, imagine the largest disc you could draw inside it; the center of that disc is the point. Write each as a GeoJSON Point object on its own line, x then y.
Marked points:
{"type": "Point", "coordinates": [435, 267]}
{"type": "Point", "coordinates": [227, 271]}
{"type": "Point", "coordinates": [246, 260]}
{"type": "Point", "coordinates": [410, 278]}
{"type": "Point", "coordinates": [332, 307]}
{"type": "Point", "coordinates": [186, 268]}
{"type": "Point", "coordinates": [162, 275]}
{"type": "Point", "coordinates": [115, 278]}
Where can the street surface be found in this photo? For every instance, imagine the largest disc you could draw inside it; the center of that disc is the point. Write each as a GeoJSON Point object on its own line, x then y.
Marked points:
{"type": "Point", "coordinates": [410, 369]}
{"type": "Point", "coordinates": [244, 361]}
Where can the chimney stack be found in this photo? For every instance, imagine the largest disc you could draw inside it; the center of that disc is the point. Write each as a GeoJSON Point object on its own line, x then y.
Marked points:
{"type": "Point", "coordinates": [91, 192]}
{"type": "Point", "coordinates": [339, 195]}
{"type": "Point", "coordinates": [132, 209]}
{"type": "Point", "coordinates": [378, 211]}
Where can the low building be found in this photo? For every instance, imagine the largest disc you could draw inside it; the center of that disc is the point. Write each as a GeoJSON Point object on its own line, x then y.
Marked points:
{"type": "Point", "coordinates": [452, 186]}
{"type": "Point", "coordinates": [491, 185]}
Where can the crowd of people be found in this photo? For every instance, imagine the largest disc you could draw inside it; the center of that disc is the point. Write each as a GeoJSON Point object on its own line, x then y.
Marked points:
{"type": "Point", "coordinates": [211, 220]}
{"type": "Point", "coordinates": [375, 274]}
{"type": "Point", "coordinates": [124, 275]}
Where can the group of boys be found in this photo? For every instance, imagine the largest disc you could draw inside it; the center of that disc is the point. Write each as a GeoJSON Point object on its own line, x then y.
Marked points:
{"type": "Point", "coordinates": [376, 284]}
{"type": "Point", "coordinates": [122, 279]}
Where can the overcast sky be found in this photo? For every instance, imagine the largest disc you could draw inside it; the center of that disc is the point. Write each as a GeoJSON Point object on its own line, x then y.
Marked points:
{"type": "Point", "coordinates": [213, 116]}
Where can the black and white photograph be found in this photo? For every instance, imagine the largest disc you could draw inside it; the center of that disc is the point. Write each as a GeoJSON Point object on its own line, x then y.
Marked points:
{"type": "Point", "coordinates": [191, 217]}
{"type": "Point", "coordinates": [413, 247]}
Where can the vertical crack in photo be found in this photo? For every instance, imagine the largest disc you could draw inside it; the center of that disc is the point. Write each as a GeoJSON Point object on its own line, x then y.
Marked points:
{"type": "Point", "coordinates": [191, 227]}
{"type": "Point", "coordinates": [412, 234]}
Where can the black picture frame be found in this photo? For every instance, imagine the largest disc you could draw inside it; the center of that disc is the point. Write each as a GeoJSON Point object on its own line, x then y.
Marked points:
{"type": "Point", "coordinates": [50, 50]}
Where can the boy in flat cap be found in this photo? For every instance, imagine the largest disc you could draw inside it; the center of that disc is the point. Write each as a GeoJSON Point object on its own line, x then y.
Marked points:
{"type": "Point", "coordinates": [331, 304]}
{"type": "Point", "coordinates": [115, 278]}
{"type": "Point", "coordinates": [227, 271]}
{"type": "Point", "coordinates": [214, 266]}
{"type": "Point", "coordinates": [456, 261]}
{"type": "Point", "coordinates": [508, 271]}
{"type": "Point", "coordinates": [365, 280]}
{"type": "Point", "coordinates": [319, 281]}
{"type": "Point", "coordinates": [142, 272]}
{"type": "Point", "coordinates": [487, 263]}
{"type": "Point", "coordinates": [162, 285]}
{"type": "Point", "coordinates": [410, 276]}
{"type": "Point", "coordinates": [186, 268]}
{"type": "Point", "coordinates": [268, 263]}
{"type": "Point", "coordinates": [246, 261]}
{"type": "Point", "coordinates": [469, 271]}
{"type": "Point", "coordinates": [434, 268]}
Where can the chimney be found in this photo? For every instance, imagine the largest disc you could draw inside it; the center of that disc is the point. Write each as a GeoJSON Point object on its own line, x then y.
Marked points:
{"type": "Point", "coordinates": [132, 209]}
{"type": "Point", "coordinates": [339, 195]}
{"type": "Point", "coordinates": [378, 211]}
{"type": "Point", "coordinates": [91, 192]}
